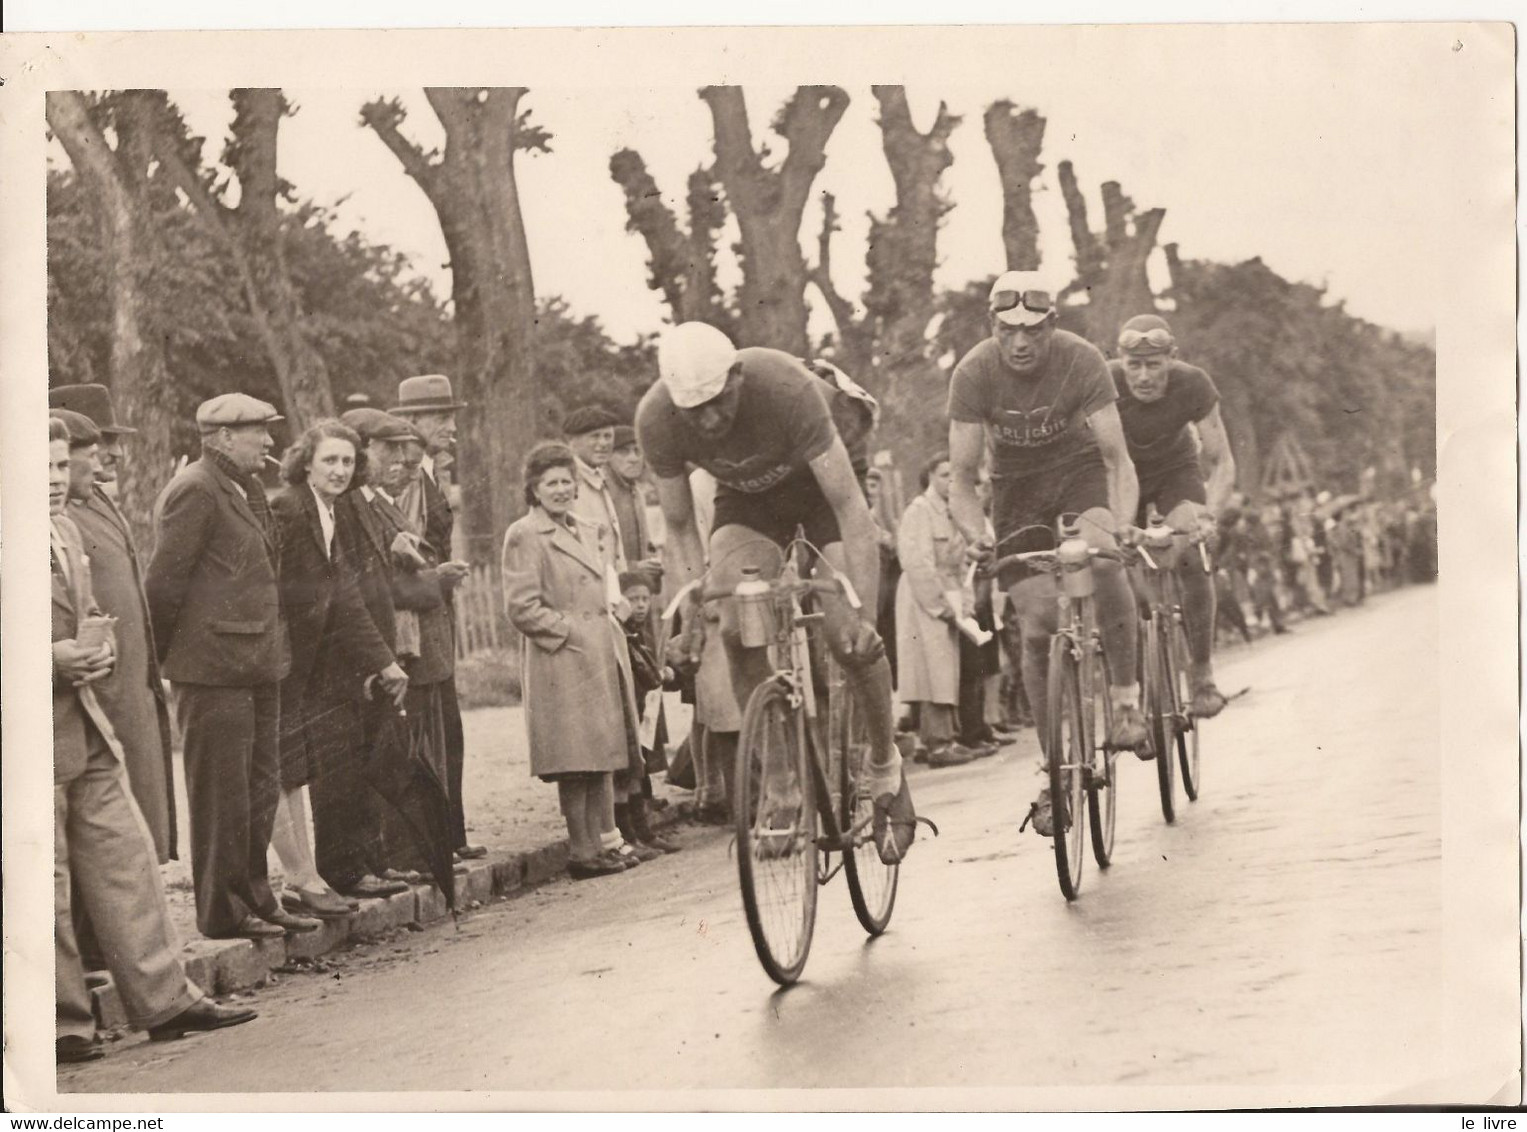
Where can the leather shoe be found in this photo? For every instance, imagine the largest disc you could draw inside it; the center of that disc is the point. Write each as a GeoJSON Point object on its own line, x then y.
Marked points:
{"type": "Point", "coordinates": [713, 813]}
{"type": "Point", "coordinates": [324, 905]}
{"type": "Point", "coordinates": [73, 1048]}
{"type": "Point", "coordinates": [370, 887]}
{"type": "Point", "coordinates": [471, 852]}
{"type": "Point", "coordinates": [250, 927]}
{"type": "Point", "coordinates": [600, 866]}
{"type": "Point", "coordinates": [291, 924]}
{"type": "Point", "coordinates": [202, 1015]}
{"type": "Point", "coordinates": [661, 844]}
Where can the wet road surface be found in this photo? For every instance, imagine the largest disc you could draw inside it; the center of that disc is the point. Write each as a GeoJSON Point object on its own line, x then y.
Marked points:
{"type": "Point", "coordinates": [1282, 939]}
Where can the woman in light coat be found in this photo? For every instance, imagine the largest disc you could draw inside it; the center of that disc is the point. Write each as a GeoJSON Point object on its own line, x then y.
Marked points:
{"type": "Point", "coordinates": [932, 553]}
{"type": "Point", "coordinates": [575, 674]}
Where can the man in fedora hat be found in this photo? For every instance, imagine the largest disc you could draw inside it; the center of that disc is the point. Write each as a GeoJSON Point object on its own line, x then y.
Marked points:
{"type": "Point", "coordinates": [133, 694]}
{"type": "Point", "coordinates": [428, 403]}
{"type": "Point", "coordinates": [216, 615]}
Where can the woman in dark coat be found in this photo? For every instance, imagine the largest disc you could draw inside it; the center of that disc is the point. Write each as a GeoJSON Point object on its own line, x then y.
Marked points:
{"type": "Point", "coordinates": [335, 649]}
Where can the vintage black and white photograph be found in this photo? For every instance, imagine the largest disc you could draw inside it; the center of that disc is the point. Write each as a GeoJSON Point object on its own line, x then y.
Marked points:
{"type": "Point", "coordinates": [660, 568]}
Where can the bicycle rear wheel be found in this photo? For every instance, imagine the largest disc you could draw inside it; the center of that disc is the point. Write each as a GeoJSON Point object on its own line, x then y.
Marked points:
{"type": "Point", "coordinates": [1161, 711]}
{"type": "Point", "coordinates": [871, 882]}
{"type": "Point", "coordinates": [1066, 753]}
{"type": "Point", "coordinates": [1185, 729]}
{"type": "Point", "coordinates": [1101, 792]}
{"type": "Point", "coordinates": [776, 833]}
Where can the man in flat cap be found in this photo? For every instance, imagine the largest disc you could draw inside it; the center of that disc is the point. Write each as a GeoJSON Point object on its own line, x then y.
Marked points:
{"type": "Point", "coordinates": [98, 830]}
{"type": "Point", "coordinates": [429, 405]}
{"type": "Point", "coordinates": [216, 615]}
{"type": "Point", "coordinates": [133, 694]}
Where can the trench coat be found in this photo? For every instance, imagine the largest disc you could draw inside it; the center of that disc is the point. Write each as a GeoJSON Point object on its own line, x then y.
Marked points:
{"type": "Point", "coordinates": [932, 553]}
{"type": "Point", "coordinates": [133, 695]}
{"type": "Point", "coordinates": [575, 674]}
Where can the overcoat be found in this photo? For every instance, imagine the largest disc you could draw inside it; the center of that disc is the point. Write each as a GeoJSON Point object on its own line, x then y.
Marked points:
{"type": "Point", "coordinates": [74, 709]}
{"type": "Point", "coordinates": [575, 674]}
{"type": "Point", "coordinates": [335, 644]}
{"type": "Point", "coordinates": [133, 695]}
{"type": "Point", "coordinates": [932, 553]}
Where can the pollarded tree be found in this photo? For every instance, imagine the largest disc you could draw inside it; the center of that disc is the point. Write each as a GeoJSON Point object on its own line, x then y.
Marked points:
{"type": "Point", "coordinates": [472, 186]}
{"type": "Point", "coordinates": [1111, 268]}
{"type": "Point", "coordinates": [118, 179]}
{"type": "Point", "coordinates": [769, 202]}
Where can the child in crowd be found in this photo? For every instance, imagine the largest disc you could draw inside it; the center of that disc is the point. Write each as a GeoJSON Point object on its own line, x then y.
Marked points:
{"type": "Point", "coordinates": [649, 675]}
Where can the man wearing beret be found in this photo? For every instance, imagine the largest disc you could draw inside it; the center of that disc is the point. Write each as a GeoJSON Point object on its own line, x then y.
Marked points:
{"type": "Point", "coordinates": [590, 433]}
{"type": "Point", "coordinates": [216, 616]}
{"type": "Point", "coordinates": [133, 695]}
{"type": "Point", "coordinates": [429, 405]}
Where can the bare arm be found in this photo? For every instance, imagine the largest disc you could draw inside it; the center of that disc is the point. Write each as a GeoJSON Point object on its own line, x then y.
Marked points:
{"type": "Point", "coordinates": [1123, 485]}
{"type": "Point", "coordinates": [967, 440]}
{"type": "Point", "coordinates": [861, 548]}
{"type": "Point", "coordinates": [1218, 460]}
{"type": "Point", "coordinates": [683, 555]}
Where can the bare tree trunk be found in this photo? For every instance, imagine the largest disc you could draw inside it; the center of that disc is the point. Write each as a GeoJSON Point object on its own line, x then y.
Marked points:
{"type": "Point", "coordinates": [1112, 270]}
{"type": "Point", "coordinates": [856, 338]}
{"type": "Point", "coordinates": [1016, 138]}
{"type": "Point", "coordinates": [253, 234]}
{"type": "Point", "coordinates": [683, 265]}
{"type": "Point", "coordinates": [769, 203]}
{"type": "Point", "coordinates": [142, 391]}
{"type": "Point", "coordinates": [473, 189]}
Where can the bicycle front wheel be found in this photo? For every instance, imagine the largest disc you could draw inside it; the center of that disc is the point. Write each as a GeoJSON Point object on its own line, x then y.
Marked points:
{"type": "Point", "coordinates": [871, 882]}
{"type": "Point", "coordinates": [776, 833]}
{"type": "Point", "coordinates": [1161, 710]}
{"type": "Point", "coordinates": [1066, 753]}
{"type": "Point", "coordinates": [1185, 730]}
{"type": "Point", "coordinates": [1101, 794]}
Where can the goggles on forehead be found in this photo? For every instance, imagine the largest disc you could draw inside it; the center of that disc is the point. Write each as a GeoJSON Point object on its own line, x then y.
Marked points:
{"type": "Point", "coordinates": [1152, 339]}
{"type": "Point", "coordinates": [1039, 302]}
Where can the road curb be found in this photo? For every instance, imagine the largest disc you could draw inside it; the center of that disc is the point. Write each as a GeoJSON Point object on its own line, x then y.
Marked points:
{"type": "Point", "coordinates": [226, 966]}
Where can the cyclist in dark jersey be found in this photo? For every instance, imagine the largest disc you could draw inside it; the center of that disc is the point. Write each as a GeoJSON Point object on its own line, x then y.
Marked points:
{"type": "Point", "coordinates": [1170, 412]}
{"type": "Point", "coordinates": [1040, 402]}
{"type": "Point", "coordinates": [758, 421]}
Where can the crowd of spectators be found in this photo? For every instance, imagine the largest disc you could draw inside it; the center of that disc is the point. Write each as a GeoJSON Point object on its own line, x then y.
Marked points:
{"type": "Point", "coordinates": [303, 641]}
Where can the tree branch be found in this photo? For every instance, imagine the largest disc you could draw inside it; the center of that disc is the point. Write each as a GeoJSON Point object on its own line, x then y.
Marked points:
{"type": "Point", "coordinates": [806, 122]}
{"type": "Point", "coordinates": [384, 116]}
{"type": "Point", "coordinates": [1015, 138]}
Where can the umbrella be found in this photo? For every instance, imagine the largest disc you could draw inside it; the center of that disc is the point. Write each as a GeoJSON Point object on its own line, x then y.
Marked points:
{"type": "Point", "coordinates": [404, 774]}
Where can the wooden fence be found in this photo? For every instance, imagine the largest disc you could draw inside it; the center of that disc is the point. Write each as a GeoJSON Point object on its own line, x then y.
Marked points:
{"type": "Point", "coordinates": [478, 608]}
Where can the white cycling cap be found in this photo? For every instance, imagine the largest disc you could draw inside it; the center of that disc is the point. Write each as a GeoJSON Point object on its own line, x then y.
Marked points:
{"type": "Point", "coordinates": [1021, 298]}
{"type": "Point", "coordinates": [694, 359]}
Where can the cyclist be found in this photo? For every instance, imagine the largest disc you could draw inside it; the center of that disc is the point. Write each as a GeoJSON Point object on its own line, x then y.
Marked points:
{"type": "Point", "coordinates": [1163, 401]}
{"type": "Point", "coordinates": [756, 419]}
{"type": "Point", "coordinates": [1041, 400]}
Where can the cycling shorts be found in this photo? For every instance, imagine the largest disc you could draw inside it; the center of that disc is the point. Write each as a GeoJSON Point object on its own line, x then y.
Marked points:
{"type": "Point", "coordinates": [1169, 487]}
{"type": "Point", "coordinates": [796, 501]}
{"type": "Point", "coordinates": [1038, 501]}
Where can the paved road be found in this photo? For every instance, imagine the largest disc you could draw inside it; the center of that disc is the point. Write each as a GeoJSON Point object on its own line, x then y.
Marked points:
{"type": "Point", "coordinates": [1282, 939]}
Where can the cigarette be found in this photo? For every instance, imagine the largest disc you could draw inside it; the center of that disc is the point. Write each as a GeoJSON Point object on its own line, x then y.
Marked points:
{"type": "Point", "coordinates": [272, 460]}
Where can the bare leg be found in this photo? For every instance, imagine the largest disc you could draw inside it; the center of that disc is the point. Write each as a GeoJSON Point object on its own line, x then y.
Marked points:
{"type": "Point", "coordinates": [572, 795]}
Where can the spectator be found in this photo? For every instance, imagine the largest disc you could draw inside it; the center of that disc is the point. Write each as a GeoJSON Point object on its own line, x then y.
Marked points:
{"type": "Point", "coordinates": [624, 479]}
{"type": "Point", "coordinates": [99, 835]}
{"type": "Point", "coordinates": [649, 675]}
{"type": "Point", "coordinates": [590, 432]}
{"type": "Point", "coordinates": [929, 599]}
{"type": "Point", "coordinates": [349, 818]}
{"type": "Point", "coordinates": [428, 404]}
{"type": "Point", "coordinates": [980, 665]}
{"type": "Point", "coordinates": [718, 715]}
{"type": "Point", "coordinates": [132, 695]}
{"type": "Point", "coordinates": [890, 567]}
{"type": "Point", "coordinates": [335, 649]}
{"type": "Point", "coordinates": [580, 710]}
{"type": "Point", "coordinates": [216, 618]}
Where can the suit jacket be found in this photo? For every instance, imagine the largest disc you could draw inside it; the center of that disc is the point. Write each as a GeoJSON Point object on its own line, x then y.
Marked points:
{"type": "Point", "coordinates": [416, 590]}
{"type": "Point", "coordinates": [211, 584]}
{"type": "Point", "coordinates": [359, 531]}
{"type": "Point", "coordinates": [326, 621]}
{"type": "Point", "coordinates": [74, 709]}
{"type": "Point", "coordinates": [439, 519]}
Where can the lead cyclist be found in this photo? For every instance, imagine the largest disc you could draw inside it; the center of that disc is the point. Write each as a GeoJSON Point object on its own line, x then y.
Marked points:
{"type": "Point", "coordinates": [757, 420]}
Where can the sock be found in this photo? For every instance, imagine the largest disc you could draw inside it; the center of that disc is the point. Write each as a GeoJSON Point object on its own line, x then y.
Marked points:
{"type": "Point", "coordinates": [611, 840]}
{"type": "Point", "coordinates": [884, 779]}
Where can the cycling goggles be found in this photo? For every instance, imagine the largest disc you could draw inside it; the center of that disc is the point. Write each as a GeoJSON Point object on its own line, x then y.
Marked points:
{"type": "Point", "coordinates": [1153, 339]}
{"type": "Point", "coordinates": [1022, 308]}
